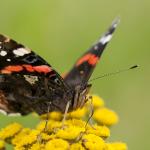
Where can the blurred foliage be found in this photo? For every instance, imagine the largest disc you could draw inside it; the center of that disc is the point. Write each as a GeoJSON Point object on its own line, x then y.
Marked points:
{"type": "Point", "coordinates": [60, 29]}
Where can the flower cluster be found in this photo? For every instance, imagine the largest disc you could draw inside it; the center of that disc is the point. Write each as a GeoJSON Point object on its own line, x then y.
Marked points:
{"type": "Point", "coordinates": [75, 133]}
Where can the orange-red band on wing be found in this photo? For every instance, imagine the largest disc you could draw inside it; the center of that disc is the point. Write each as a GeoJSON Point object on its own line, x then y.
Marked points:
{"type": "Point", "coordinates": [93, 60]}
{"type": "Point", "coordinates": [43, 68]}
{"type": "Point", "coordinates": [29, 68]}
{"type": "Point", "coordinates": [90, 58]}
{"type": "Point", "coordinates": [10, 69]}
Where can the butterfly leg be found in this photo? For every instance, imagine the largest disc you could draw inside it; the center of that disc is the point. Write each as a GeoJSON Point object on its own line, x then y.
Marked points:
{"type": "Point", "coordinates": [65, 114]}
{"type": "Point", "coordinates": [47, 117]}
{"type": "Point", "coordinates": [90, 99]}
{"type": "Point", "coordinates": [39, 137]}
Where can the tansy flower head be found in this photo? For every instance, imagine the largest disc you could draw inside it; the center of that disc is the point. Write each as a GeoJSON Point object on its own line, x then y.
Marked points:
{"type": "Point", "coordinates": [10, 131]}
{"type": "Point", "coordinates": [75, 133]}
{"type": "Point", "coordinates": [105, 116]}
{"type": "Point", "coordinates": [77, 146]}
{"type": "Point", "coordinates": [55, 115]}
{"type": "Point", "coordinates": [76, 122]}
{"type": "Point", "coordinates": [2, 145]}
{"type": "Point", "coordinates": [70, 132]}
{"type": "Point", "coordinates": [52, 125]}
{"type": "Point", "coordinates": [37, 146]}
{"type": "Point", "coordinates": [93, 142]}
{"type": "Point", "coordinates": [24, 132]}
{"type": "Point", "coordinates": [79, 113]}
{"type": "Point", "coordinates": [29, 139]}
{"type": "Point", "coordinates": [97, 101]}
{"type": "Point", "coordinates": [57, 144]}
{"type": "Point", "coordinates": [101, 131]}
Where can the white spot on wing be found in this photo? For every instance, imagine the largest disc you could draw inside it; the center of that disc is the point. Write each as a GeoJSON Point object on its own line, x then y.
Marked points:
{"type": "Point", "coordinates": [116, 22]}
{"type": "Point", "coordinates": [31, 79]}
{"type": "Point", "coordinates": [14, 114]}
{"type": "Point", "coordinates": [3, 112]}
{"type": "Point", "coordinates": [105, 39]}
{"type": "Point", "coordinates": [3, 53]}
{"type": "Point", "coordinates": [7, 39]}
{"type": "Point", "coordinates": [115, 25]}
{"type": "Point", "coordinates": [95, 47]}
{"type": "Point", "coordinates": [11, 114]}
{"type": "Point", "coordinates": [8, 59]}
{"type": "Point", "coordinates": [21, 51]}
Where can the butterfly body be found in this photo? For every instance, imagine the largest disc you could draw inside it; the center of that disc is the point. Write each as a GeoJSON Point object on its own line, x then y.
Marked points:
{"type": "Point", "coordinates": [29, 84]}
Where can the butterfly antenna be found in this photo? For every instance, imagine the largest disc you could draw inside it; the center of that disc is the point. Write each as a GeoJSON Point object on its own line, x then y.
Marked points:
{"type": "Point", "coordinates": [114, 73]}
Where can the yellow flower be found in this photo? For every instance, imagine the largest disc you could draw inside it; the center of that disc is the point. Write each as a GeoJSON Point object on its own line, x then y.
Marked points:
{"type": "Point", "coordinates": [52, 125]}
{"type": "Point", "coordinates": [37, 146]}
{"type": "Point", "coordinates": [105, 116]}
{"type": "Point", "coordinates": [73, 134]}
{"type": "Point", "coordinates": [101, 131]}
{"type": "Point", "coordinates": [97, 101]}
{"type": "Point", "coordinates": [2, 145]}
{"type": "Point", "coordinates": [41, 125]}
{"type": "Point", "coordinates": [10, 131]}
{"type": "Point", "coordinates": [77, 146]}
{"type": "Point", "coordinates": [55, 115]}
{"type": "Point", "coordinates": [93, 142]}
{"type": "Point", "coordinates": [79, 113]}
{"type": "Point", "coordinates": [116, 146]}
{"type": "Point", "coordinates": [57, 144]}
{"type": "Point", "coordinates": [76, 122]}
{"type": "Point", "coordinates": [33, 137]}
{"type": "Point", "coordinates": [29, 139]}
{"type": "Point", "coordinates": [24, 132]}
{"type": "Point", "coordinates": [70, 132]}
{"type": "Point", "coordinates": [19, 148]}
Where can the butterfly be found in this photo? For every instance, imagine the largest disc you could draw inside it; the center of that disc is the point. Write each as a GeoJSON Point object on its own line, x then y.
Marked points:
{"type": "Point", "coordinates": [29, 84]}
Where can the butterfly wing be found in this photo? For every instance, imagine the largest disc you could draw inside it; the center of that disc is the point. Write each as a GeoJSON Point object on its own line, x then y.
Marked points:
{"type": "Point", "coordinates": [84, 66]}
{"type": "Point", "coordinates": [25, 78]}
{"type": "Point", "coordinates": [16, 58]}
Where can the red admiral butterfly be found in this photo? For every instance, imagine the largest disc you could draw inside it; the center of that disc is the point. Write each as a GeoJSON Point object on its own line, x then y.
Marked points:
{"type": "Point", "coordinates": [28, 83]}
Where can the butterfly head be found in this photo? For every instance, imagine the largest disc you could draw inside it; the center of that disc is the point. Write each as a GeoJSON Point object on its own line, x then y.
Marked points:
{"type": "Point", "coordinates": [80, 95]}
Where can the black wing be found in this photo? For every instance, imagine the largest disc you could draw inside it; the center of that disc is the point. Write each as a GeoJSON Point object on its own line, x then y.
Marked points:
{"type": "Point", "coordinates": [18, 59]}
{"type": "Point", "coordinates": [84, 66]}
{"type": "Point", "coordinates": [25, 79]}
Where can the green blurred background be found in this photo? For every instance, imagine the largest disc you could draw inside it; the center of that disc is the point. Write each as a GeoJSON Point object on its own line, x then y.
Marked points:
{"type": "Point", "coordinates": [61, 30]}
